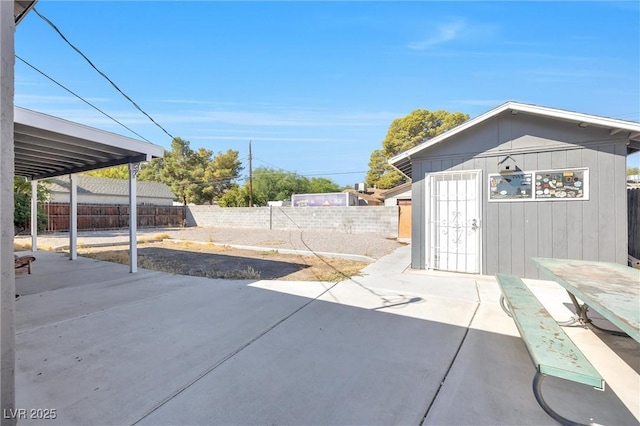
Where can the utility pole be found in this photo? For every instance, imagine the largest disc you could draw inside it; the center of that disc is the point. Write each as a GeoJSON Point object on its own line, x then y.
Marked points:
{"type": "Point", "coordinates": [250, 179]}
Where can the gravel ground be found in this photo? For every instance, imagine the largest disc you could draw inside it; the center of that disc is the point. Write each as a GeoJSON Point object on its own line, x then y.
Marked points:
{"type": "Point", "coordinates": [369, 244]}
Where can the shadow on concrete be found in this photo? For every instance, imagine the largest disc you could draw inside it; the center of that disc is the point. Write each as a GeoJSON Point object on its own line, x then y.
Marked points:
{"type": "Point", "coordinates": [624, 346]}
{"type": "Point", "coordinates": [491, 384]}
{"type": "Point", "coordinates": [53, 271]}
{"type": "Point", "coordinates": [155, 348]}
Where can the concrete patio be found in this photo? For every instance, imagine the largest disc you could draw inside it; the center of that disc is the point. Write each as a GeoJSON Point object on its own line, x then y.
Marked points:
{"type": "Point", "coordinates": [102, 346]}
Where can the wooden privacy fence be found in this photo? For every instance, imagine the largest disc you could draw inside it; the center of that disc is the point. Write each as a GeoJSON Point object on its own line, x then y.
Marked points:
{"type": "Point", "coordinates": [111, 216]}
{"type": "Point", "coordinates": [633, 217]}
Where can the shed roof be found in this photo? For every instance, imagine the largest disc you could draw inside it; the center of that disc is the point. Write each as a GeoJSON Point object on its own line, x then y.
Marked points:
{"type": "Point", "coordinates": [107, 186]}
{"type": "Point", "coordinates": [402, 161]}
{"type": "Point", "coordinates": [47, 146]}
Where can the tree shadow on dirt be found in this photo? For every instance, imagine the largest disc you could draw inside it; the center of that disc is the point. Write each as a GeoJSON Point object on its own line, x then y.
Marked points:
{"type": "Point", "coordinates": [215, 265]}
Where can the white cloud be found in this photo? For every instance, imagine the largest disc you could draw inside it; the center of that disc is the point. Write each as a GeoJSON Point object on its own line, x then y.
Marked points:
{"type": "Point", "coordinates": [480, 102]}
{"type": "Point", "coordinates": [197, 102]}
{"type": "Point", "coordinates": [31, 99]}
{"type": "Point", "coordinates": [255, 138]}
{"type": "Point", "coordinates": [279, 117]}
{"type": "Point", "coordinates": [443, 33]}
{"type": "Point", "coordinates": [563, 75]}
{"type": "Point", "coordinates": [218, 123]}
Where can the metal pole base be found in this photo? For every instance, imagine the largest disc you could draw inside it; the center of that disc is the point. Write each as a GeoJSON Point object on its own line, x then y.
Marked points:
{"type": "Point", "coordinates": [505, 306]}
{"type": "Point", "coordinates": [537, 392]}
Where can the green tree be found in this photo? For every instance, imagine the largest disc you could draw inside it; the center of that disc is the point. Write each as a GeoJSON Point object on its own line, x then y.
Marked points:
{"type": "Point", "coordinates": [218, 175]}
{"type": "Point", "coordinates": [238, 196]}
{"type": "Point", "coordinates": [22, 205]}
{"type": "Point", "coordinates": [278, 185]}
{"type": "Point", "coordinates": [378, 166]}
{"type": "Point", "coordinates": [179, 168]}
{"type": "Point", "coordinates": [275, 185]}
{"type": "Point", "coordinates": [193, 175]}
{"type": "Point", "coordinates": [320, 185]}
{"type": "Point", "coordinates": [633, 171]}
{"type": "Point", "coordinates": [116, 172]}
{"type": "Point", "coordinates": [175, 169]}
{"type": "Point", "coordinates": [150, 171]}
{"type": "Point", "coordinates": [403, 134]}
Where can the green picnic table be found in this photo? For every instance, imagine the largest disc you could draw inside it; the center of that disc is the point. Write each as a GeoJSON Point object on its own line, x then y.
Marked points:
{"type": "Point", "coordinates": [611, 289]}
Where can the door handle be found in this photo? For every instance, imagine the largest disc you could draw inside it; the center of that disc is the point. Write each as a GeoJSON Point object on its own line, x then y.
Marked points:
{"type": "Point", "coordinates": [474, 225]}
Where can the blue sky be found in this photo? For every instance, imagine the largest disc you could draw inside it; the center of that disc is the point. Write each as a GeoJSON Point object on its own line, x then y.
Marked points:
{"type": "Point", "coordinates": [315, 85]}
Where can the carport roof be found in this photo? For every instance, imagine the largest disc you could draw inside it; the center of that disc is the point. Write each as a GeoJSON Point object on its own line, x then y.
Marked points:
{"type": "Point", "coordinates": [47, 146]}
{"type": "Point", "coordinates": [21, 8]}
{"type": "Point", "coordinates": [402, 161]}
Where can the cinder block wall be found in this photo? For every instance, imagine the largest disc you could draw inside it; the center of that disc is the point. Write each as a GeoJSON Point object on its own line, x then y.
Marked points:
{"type": "Point", "coordinates": [355, 220]}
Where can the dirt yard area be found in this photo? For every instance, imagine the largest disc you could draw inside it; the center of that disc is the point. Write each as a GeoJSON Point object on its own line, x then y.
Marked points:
{"type": "Point", "coordinates": [215, 261]}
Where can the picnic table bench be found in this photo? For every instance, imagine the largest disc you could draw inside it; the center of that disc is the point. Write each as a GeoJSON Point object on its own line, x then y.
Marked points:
{"type": "Point", "coordinates": [610, 289]}
{"type": "Point", "coordinates": [22, 264]}
{"type": "Point", "coordinates": [552, 351]}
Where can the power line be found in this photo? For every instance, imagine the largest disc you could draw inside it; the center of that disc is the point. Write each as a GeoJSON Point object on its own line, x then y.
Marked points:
{"type": "Point", "coordinates": [306, 174]}
{"type": "Point", "coordinates": [273, 165]}
{"type": "Point", "coordinates": [82, 99]}
{"type": "Point", "coordinates": [100, 72]}
{"type": "Point", "coordinates": [629, 114]}
{"type": "Point", "coordinates": [334, 173]}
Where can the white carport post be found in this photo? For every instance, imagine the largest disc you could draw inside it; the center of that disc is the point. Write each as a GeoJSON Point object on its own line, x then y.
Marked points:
{"type": "Point", "coordinates": [73, 217]}
{"type": "Point", "coordinates": [134, 168]}
{"type": "Point", "coordinates": [7, 274]}
{"type": "Point", "coordinates": [34, 215]}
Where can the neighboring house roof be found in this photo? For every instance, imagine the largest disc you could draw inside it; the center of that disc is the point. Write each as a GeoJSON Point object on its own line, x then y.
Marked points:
{"type": "Point", "coordinates": [371, 192]}
{"type": "Point", "coordinates": [104, 186]}
{"type": "Point", "coordinates": [376, 192]}
{"type": "Point", "coordinates": [369, 198]}
{"type": "Point", "coordinates": [402, 161]}
{"type": "Point", "coordinates": [396, 190]}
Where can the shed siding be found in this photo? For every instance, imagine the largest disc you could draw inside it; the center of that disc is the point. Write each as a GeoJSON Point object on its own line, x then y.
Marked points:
{"type": "Point", "coordinates": [621, 208]}
{"type": "Point", "coordinates": [606, 221]}
{"type": "Point", "coordinates": [531, 238]}
{"type": "Point", "coordinates": [418, 189]}
{"type": "Point", "coordinates": [575, 215]}
{"type": "Point", "coordinates": [513, 232]}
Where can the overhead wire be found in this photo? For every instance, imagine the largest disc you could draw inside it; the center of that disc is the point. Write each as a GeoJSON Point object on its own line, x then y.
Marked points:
{"type": "Point", "coordinates": [55, 28]}
{"type": "Point", "coordinates": [81, 98]}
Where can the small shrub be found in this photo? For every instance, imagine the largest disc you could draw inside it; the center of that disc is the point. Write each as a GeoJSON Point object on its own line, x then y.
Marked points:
{"type": "Point", "coordinates": [244, 274]}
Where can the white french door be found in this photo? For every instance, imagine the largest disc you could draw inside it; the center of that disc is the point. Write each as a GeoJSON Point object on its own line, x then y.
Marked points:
{"type": "Point", "coordinates": [453, 221]}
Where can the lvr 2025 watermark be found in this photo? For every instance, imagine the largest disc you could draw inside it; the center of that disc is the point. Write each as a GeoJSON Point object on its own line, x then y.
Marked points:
{"type": "Point", "coordinates": [30, 413]}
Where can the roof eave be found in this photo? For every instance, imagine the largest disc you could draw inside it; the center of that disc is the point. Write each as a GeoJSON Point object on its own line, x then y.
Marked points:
{"type": "Point", "coordinates": [47, 146]}
{"type": "Point", "coordinates": [583, 119]}
{"type": "Point", "coordinates": [53, 124]}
